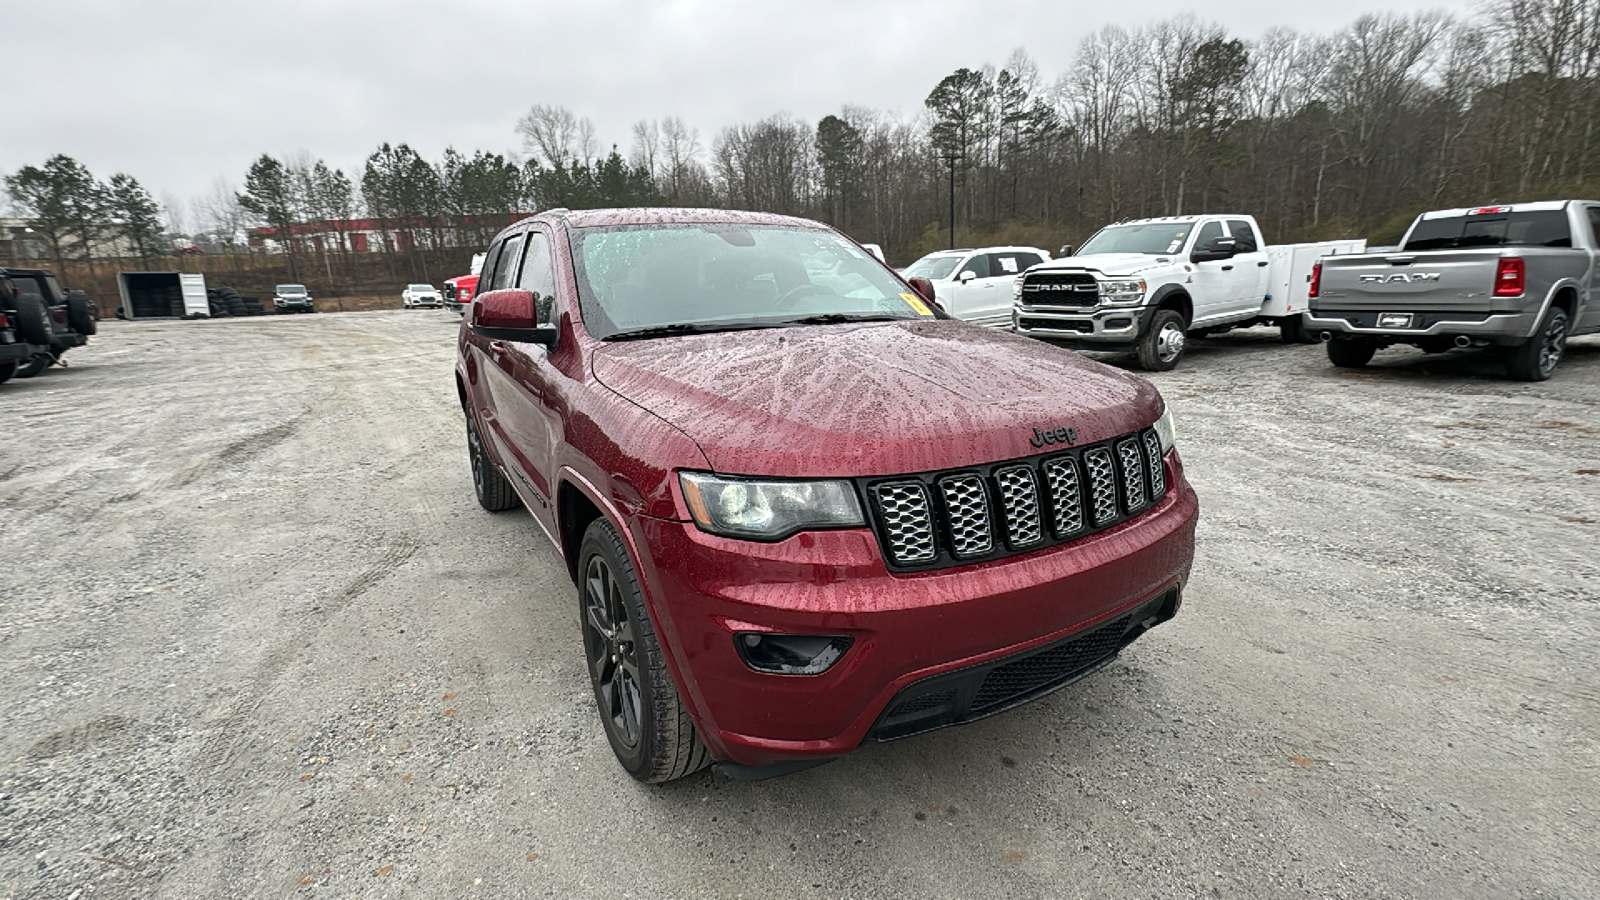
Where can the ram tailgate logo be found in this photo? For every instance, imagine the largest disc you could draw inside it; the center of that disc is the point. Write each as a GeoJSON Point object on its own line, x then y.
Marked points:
{"type": "Point", "coordinates": [1400, 277]}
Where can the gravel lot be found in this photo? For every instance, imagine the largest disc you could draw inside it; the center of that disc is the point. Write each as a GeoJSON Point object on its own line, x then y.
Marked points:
{"type": "Point", "coordinates": [257, 639]}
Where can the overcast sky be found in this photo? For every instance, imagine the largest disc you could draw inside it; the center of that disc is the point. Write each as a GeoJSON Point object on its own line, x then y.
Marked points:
{"type": "Point", "coordinates": [179, 93]}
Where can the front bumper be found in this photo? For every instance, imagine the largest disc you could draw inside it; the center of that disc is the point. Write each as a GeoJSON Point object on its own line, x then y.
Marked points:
{"type": "Point", "coordinates": [907, 628]}
{"type": "Point", "coordinates": [1497, 328]}
{"type": "Point", "coordinates": [1113, 328]}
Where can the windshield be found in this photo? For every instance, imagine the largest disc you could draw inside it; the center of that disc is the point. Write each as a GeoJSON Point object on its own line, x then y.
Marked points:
{"type": "Point", "coordinates": [1154, 238]}
{"type": "Point", "coordinates": [1539, 228]}
{"type": "Point", "coordinates": [932, 268]}
{"type": "Point", "coordinates": [296, 288]}
{"type": "Point", "coordinates": [415, 288]}
{"type": "Point", "coordinates": [714, 277]}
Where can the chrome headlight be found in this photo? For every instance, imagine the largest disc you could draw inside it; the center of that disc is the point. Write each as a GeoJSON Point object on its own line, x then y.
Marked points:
{"type": "Point", "coordinates": [1122, 291]}
{"type": "Point", "coordinates": [768, 510]}
{"type": "Point", "coordinates": [1165, 432]}
{"type": "Point", "coordinates": [1016, 288]}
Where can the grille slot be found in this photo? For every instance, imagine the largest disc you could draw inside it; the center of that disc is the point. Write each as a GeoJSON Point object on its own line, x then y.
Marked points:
{"type": "Point", "coordinates": [986, 512]}
{"type": "Point", "coordinates": [1102, 485]}
{"type": "Point", "coordinates": [1019, 502]}
{"type": "Point", "coordinates": [1066, 495]}
{"type": "Point", "coordinates": [966, 505]}
{"type": "Point", "coordinates": [1158, 469]}
{"type": "Point", "coordinates": [903, 507]}
{"type": "Point", "coordinates": [1131, 466]}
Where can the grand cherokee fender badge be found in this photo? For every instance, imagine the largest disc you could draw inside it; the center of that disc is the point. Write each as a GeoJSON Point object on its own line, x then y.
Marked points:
{"type": "Point", "coordinates": [1068, 436]}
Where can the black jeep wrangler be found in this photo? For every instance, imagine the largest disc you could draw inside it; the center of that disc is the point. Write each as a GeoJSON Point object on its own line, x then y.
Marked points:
{"type": "Point", "coordinates": [42, 321]}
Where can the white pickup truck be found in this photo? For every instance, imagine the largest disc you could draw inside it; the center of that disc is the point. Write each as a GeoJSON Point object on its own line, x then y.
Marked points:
{"type": "Point", "coordinates": [1145, 285]}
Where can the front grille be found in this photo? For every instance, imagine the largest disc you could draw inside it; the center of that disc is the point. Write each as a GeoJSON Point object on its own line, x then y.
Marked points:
{"type": "Point", "coordinates": [1026, 675]}
{"type": "Point", "coordinates": [1077, 290]}
{"type": "Point", "coordinates": [1031, 323]}
{"type": "Point", "coordinates": [987, 512]}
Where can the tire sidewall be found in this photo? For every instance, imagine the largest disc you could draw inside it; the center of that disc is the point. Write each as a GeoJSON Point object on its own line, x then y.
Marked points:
{"type": "Point", "coordinates": [1150, 346]}
{"type": "Point", "coordinates": [33, 321]}
{"type": "Point", "coordinates": [601, 539]}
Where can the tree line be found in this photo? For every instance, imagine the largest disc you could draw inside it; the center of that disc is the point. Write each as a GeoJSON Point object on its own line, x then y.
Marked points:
{"type": "Point", "coordinates": [1349, 133]}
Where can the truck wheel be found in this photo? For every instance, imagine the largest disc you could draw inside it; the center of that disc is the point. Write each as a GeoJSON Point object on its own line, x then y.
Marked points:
{"type": "Point", "coordinates": [7, 369]}
{"type": "Point", "coordinates": [34, 366]}
{"type": "Point", "coordinates": [1536, 359]}
{"type": "Point", "coordinates": [493, 490]}
{"type": "Point", "coordinates": [1162, 344]}
{"type": "Point", "coordinates": [80, 313]}
{"type": "Point", "coordinates": [1292, 329]}
{"type": "Point", "coordinates": [644, 718]}
{"type": "Point", "coordinates": [33, 320]}
{"type": "Point", "coordinates": [1351, 354]}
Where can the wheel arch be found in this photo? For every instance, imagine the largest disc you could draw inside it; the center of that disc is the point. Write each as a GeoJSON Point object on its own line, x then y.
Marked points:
{"type": "Point", "coordinates": [1173, 296]}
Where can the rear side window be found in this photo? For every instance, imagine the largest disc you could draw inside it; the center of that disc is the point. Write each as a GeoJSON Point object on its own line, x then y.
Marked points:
{"type": "Point", "coordinates": [1594, 224]}
{"type": "Point", "coordinates": [1248, 242]}
{"type": "Point", "coordinates": [1534, 228]}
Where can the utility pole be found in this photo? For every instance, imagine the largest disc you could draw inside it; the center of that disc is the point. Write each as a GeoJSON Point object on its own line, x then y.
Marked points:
{"type": "Point", "coordinates": [952, 157]}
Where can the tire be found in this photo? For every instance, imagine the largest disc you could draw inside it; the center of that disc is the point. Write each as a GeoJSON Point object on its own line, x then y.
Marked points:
{"type": "Point", "coordinates": [643, 716]}
{"type": "Point", "coordinates": [1351, 354]}
{"type": "Point", "coordinates": [488, 482]}
{"type": "Point", "coordinates": [1537, 358]}
{"type": "Point", "coordinates": [80, 313]}
{"type": "Point", "coordinates": [34, 366]}
{"type": "Point", "coordinates": [1161, 346]}
{"type": "Point", "coordinates": [33, 320]}
{"type": "Point", "coordinates": [1292, 329]}
{"type": "Point", "coordinates": [7, 369]}
{"type": "Point", "coordinates": [227, 293]}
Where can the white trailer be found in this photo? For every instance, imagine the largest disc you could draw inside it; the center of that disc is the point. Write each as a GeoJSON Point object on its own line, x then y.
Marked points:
{"type": "Point", "coordinates": [1289, 273]}
{"type": "Point", "coordinates": [148, 295]}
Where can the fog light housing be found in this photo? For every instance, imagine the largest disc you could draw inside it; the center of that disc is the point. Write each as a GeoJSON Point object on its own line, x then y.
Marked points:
{"type": "Point", "coordinates": [790, 654]}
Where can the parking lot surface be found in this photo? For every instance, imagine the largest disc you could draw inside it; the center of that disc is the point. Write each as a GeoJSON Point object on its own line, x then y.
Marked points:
{"type": "Point", "coordinates": [258, 639]}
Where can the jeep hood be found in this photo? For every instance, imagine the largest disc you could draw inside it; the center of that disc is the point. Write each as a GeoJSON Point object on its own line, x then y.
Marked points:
{"type": "Point", "coordinates": [1114, 264]}
{"type": "Point", "coordinates": [871, 398]}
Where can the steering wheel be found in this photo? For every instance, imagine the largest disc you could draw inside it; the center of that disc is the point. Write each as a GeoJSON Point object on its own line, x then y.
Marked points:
{"type": "Point", "coordinates": [795, 293]}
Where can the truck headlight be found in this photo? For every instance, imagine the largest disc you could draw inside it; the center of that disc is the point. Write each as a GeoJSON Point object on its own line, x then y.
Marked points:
{"type": "Point", "coordinates": [1016, 288]}
{"type": "Point", "coordinates": [1165, 432]}
{"type": "Point", "coordinates": [768, 510]}
{"type": "Point", "coordinates": [1124, 292]}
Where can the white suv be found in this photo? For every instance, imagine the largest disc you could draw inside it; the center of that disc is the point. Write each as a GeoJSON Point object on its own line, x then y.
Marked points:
{"type": "Point", "coordinates": [976, 285]}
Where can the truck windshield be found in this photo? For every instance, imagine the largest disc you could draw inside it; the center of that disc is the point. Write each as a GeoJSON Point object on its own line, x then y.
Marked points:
{"type": "Point", "coordinates": [1154, 238]}
{"type": "Point", "coordinates": [668, 278]}
{"type": "Point", "coordinates": [1534, 228]}
{"type": "Point", "coordinates": [291, 289]}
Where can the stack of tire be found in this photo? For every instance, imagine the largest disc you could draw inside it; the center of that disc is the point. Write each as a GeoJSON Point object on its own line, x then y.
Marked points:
{"type": "Point", "coordinates": [225, 301]}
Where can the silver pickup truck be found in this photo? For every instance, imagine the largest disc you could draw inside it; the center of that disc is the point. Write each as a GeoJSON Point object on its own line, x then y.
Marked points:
{"type": "Point", "coordinates": [1516, 277]}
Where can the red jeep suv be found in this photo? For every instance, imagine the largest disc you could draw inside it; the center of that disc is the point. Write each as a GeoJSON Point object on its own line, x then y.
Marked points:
{"type": "Point", "coordinates": [803, 507]}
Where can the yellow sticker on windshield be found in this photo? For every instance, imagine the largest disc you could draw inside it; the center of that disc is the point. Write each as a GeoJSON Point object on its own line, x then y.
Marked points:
{"type": "Point", "coordinates": [915, 302]}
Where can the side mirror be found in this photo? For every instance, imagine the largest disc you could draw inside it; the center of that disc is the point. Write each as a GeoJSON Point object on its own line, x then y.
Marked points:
{"type": "Point", "coordinates": [1213, 251]}
{"type": "Point", "coordinates": [1066, 250]}
{"type": "Point", "coordinates": [924, 289]}
{"type": "Point", "coordinates": [967, 276]}
{"type": "Point", "coordinates": [511, 315]}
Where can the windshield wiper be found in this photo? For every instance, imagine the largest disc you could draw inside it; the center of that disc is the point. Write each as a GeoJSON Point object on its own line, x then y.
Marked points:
{"type": "Point", "coordinates": [677, 328]}
{"type": "Point", "coordinates": [840, 318]}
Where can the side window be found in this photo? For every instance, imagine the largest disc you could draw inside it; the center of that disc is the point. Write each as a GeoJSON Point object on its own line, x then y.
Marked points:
{"type": "Point", "coordinates": [539, 276]}
{"type": "Point", "coordinates": [506, 266]}
{"type": "Point", "coordinates": [977, 265]}
{"type": "Point", "coordinates": [1026, 261]}
{"type": "Point", "coordinates": [1594, 224]}
{"type": "Point", "coordinates": [1245, 235]}
{"type": "Point", "coordinates": [1006, 264]}
{"type": "Point", "coordinates": [486, 279]}
{"type": "Point", "coordinates": [1209, 232]}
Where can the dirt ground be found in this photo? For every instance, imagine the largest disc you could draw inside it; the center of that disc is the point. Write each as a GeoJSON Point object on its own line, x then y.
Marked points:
{"type": "Point", "coordinates": [258, 639]}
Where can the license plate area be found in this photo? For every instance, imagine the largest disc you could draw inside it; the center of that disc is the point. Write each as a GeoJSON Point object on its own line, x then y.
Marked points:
{"type": "Point", "coordinates": [1394, 320]}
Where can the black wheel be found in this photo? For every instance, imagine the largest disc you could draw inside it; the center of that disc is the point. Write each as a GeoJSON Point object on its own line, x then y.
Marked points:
{"type": "Point", "coordinates": [80, 313]}
{"type": "Point", "coordinates": [1162, 344]}
{"type": "Point", "coordinates": [644, 718]}
{"type": "Point", "coordinates": [33, 320]}
{"type": "Point", "coordinates": [1351, 354]}
{"type": "Point", "coordinates": [34, 366]}
{"type": "Point", "coordinates": [1536, 359]}
{"type": "Point", "coordinates": [7, 369]}
{"type": "Point", "coordinates": [493, 490]}
{"type": "Point", "coordinates": [1292, 329]}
